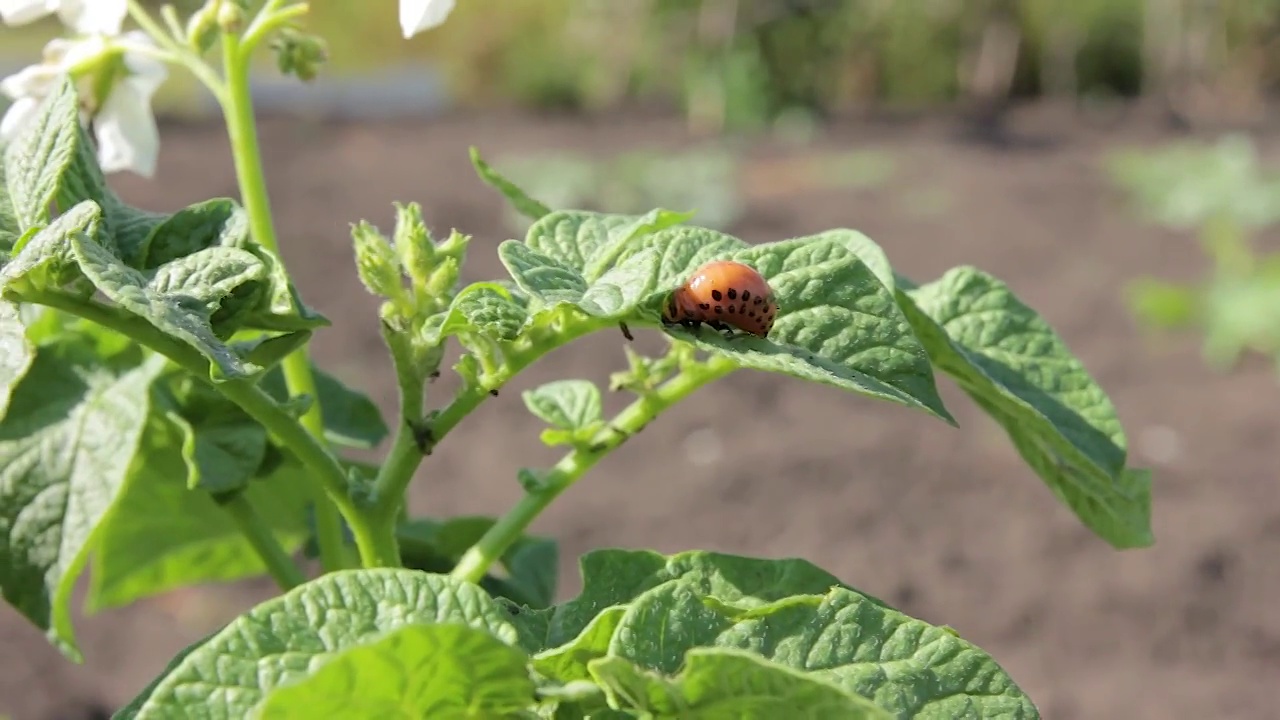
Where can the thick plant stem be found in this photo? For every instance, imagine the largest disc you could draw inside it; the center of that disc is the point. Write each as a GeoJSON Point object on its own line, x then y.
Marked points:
{"type": "Point", "coordinates": [415, 437]}
{"type": "Point", "coordinates": [473, 565]}
{"type": "Point", "coordinates": [279, 565]}
{"type": "Point", "coordinates": [243, 132]}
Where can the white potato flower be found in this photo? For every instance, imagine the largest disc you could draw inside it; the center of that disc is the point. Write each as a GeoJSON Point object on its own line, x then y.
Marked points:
{"type": "Point", "coordinates": [123, 124]}
{"type": "Point", "coordinates": [420, 15]}
{"type": "Point", "coordinates": [89, 17]}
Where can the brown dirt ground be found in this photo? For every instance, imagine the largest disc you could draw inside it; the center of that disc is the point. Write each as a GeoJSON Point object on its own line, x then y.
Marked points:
{"type": "Point", "coordinates": [946, 523]}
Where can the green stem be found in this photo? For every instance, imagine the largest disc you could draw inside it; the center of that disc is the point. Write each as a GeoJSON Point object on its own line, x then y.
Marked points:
{"type": "Point", "coordinates": [169, 15]}
{"type": "Point", "coordinates": [249, 397]}
{"type": "Point", "coordinates": [397, 471]}
{"type": "Point", "coordinates": [243, 131]}
{"type": "Point", "coordinates": [182, 54]}
{"type": "Point", "coordinates": [406, 454]}
{"type": "Point", "coordinates": [471, 396]}
{"type": "Point", "coordinates": [279, 564]}
{"type": "Point", "coordinates": [269, 20]}
{"type": "Point", "coordinates": [473, 565]}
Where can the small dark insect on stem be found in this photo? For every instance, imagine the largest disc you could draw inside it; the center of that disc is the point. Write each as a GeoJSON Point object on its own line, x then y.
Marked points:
{"type": "Point", "coordinates": [435, 375]}
{"type": "Point", "coordinates": [494, 392]}
{"type": "Point", "coordinates": [422, 436]}
{"type": "Point", "coordinates": [626, 331]}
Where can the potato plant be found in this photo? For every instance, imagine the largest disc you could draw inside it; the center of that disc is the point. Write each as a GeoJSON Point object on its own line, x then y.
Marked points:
{"type": "Point", "coordinates": [1222, 193]}
{"type": "Point", "coordinates": [162, 422]}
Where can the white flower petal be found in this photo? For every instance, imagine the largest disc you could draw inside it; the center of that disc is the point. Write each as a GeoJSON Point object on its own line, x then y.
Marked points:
{"type": "Point", "coordinates": [31, 81]}
{"type": "Point", "coordinates": [93, 16]}
{"type": "Point", "coordinates": [419, 15]}
{"type": "Point", "coordinates": [21, 12]}
{"type": "Point", "coordinates": [16, 116]}
{"type": "Point", "coordinates": [126, 130]}
{"type": "Point", "coordinates": [68, 54]}
{"type": "Point", "coordinates": [146, 71]}
{"type": "Point", "coordinates": [87, 17]}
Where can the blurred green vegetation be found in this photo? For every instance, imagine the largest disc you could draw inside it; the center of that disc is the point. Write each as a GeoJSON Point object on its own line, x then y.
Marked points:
{"type": "Point", "coordinates": [1221, 193]}
{"type": "Point", "coordinates": [742, 63]}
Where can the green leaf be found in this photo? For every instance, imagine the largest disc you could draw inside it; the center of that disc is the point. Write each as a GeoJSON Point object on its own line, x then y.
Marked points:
{"type": "Point", "coordinates": [592, 242]}
{"type": "Point", "coordinates": [566, 404]}
{"type": "Point", "coordinates": [83, 178]}
{"type": "Point", "coordinates": [10, 227]}
{"type": "Point", "coordinates": [526, 205]}
{"type": "Point", "coordinates": [268, 350]}
{"type": "Point", "coordinates": [162, 536]}
{"type": "Point", "coordinates": [1019, 371]}
{"type": "Point", "coordinates": [212, 223]}
{"type": "Point", "coordinates": [533, 568]}
{"type": "Point", "coordinates": [681, 251]}
{"type": "Point", "coordinates": [225, 450]}
{"type": "Point", "coordinates": [130, 711]}
{"type": "Point", "coordinates": [271, 304]}
{"type": "Point", "coordinates": [547, 279]}
{"type": "Point", "coordinates": [66, 444]}
{"type": "Point", "coordinates": [223, 446]}
{"type": "Point", "coordinates": [617, 577]}
{"type": "Point", "coordinates": [569, 662]}
{"type": "Point", "coordinates": [625, 232]}
{"type": "Point", "coordinates": [837, 323]}
{"type": "Point", "coordinates": [205, 276]}
{"type": "Point", "coordinates": [867, 250]}
{"type": "Point", "coordinates": [126, 229]}
{"type": "Point", "coordinates": [16, 352]}
{"type": "Point", "coordinates": [423, 671]}
{"type": "Point", "coordinates": [351, 419]}
{"type": "Point", "coordinates": [618, 292]}
{"type": "Point", "coordinates": [283, 640]}
{"type": "Point", "coordinates": [531, 563]}
{"type": "Point", "coordinates": [130, 227]}
{"type": "Point", "coordinates": [614, 295]}
{"type": "Point", "coordinates": [44, 259]}
{"type": "Point", "coordinates": [577, 700]}
{"type": "Point", "coordinates": [719, 683]}
{"type": "Point", "coordinates": [178, 297]}
{"type": "Point", "coordinates": [488, 308]}
{"type": "Point", "coordinates": [902, 664]}
{"type": "Point", "coordinates": [37, 158]}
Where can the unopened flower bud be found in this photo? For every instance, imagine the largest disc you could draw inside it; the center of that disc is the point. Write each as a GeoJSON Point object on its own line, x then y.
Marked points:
{"type": "Point", "coordinates": [299, 54]}
{"type": "Point", "coordinates": [231, 16]}
{"type": "Point", "coordinates": [202, 28]}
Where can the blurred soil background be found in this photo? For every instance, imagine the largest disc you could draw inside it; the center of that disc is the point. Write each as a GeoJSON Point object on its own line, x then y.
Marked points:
{"type": "Point", "coordinates": [951, 133]}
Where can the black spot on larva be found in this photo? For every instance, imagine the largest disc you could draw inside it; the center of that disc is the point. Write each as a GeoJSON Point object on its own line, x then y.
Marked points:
{"type": "Point", "coordinates": [705, 306]}
{"type": "Point", "coordinates": [758, 300]}
{"type": "Point", "coordinates": [751, 313]}
{"type": "Point", "coordinates": [733, 294]}
{"type": "Point", "coordinates": [746, 295]}
{"type": "Point", "coordinates": [715, 295]}
{"type": "Point", "coordinates": [732, 308]}
{"type": "Point", "coordinates": [719, 310]}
